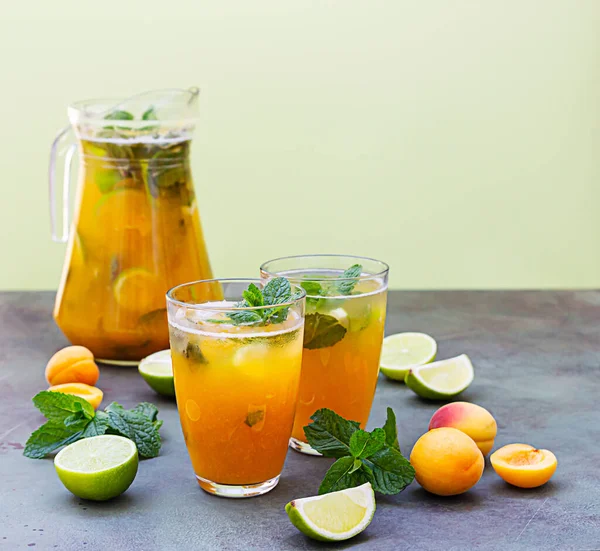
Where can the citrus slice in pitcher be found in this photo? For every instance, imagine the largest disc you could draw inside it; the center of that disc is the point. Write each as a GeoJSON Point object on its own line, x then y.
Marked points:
{"type": "Point", "coordinates": [138, 289]}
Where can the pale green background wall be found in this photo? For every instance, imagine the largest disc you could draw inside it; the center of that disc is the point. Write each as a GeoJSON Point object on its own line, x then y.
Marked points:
{"type": "Point", "coordinates": [458, 140]}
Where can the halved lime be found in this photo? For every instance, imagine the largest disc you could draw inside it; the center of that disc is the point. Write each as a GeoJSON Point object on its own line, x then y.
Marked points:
{"type": "Point", "coordinates": [98, 468]}
{"type": "Point", "coordinates": [157, 371]}
{"type": "Point", "coordinates": [443, 379]}
{"type": "Point", "coordinates": [403, 351]}
{"type": "Point", "coordinates": [336, 516]}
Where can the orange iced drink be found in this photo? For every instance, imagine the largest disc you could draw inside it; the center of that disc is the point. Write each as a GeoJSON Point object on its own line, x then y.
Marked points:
{"type": "Point", "coordinates": [344, 330]}
{"type": "Point", "coordinates": [236, 389]}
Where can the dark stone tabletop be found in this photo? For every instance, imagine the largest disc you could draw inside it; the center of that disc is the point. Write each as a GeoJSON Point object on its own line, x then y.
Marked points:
{"type": "Point", "coordinates": [537, 369]}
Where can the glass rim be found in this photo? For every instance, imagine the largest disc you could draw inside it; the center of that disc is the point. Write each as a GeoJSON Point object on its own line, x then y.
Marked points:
{"type": "Point", "coordinates": [381, 273]}
{"type": "Point", "coordinates": [203, 305]}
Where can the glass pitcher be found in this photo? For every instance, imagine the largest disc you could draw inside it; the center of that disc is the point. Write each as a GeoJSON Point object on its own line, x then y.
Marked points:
{"type": "Point", "coordinates": [136, 231]}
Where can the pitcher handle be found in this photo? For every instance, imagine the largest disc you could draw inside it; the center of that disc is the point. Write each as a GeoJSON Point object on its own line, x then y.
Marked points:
{"type": "Point", "coordinates": [60, 234]}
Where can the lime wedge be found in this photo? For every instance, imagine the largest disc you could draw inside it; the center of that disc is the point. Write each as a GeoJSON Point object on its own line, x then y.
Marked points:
{"type": "Point", "coordinates": [442, 379]}
{"type": "Point", "coordinates": [403, 351]}
{"type": "Point", "coordinates": [336, 516]}
{"type": "Point", "coordinates": [98, 468]}
{"type": "Point", "coordinates": [157, 371]}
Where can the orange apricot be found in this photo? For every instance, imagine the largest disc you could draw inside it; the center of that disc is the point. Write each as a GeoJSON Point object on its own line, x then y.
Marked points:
{"type": "Point", "coordinates": [523, 465]}
{"type": "Point", "coordinates": [473, 420]}
{"type": "Point", "coordinates": [73, 364]}
{"type": "Point", "coordinates": [90, 393]}
{"type": "Point", "coordinates": [446, 461]}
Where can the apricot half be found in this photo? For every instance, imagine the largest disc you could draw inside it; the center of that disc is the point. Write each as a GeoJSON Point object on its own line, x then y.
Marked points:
{"type": "Point", "coordinates": [523, 465]}
{"type": "Point", "coordinates": [90, 393]}
{"type": "Point", "coordinates": [473, 420]}
{"type": "Point", "coordinates": [73, 364]}
{"type": "Point", "coordinates": [446, 462]}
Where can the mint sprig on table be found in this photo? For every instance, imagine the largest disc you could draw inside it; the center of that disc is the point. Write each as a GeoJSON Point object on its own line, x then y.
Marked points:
{"type": "Point", "coordinates": [276, 291]}
{"type": "Point", "coordinates": [324, 330]}
{"type": "Point", "coordinates": [71, 418]}
{"type": "Point", "coordinates": [362, 456]}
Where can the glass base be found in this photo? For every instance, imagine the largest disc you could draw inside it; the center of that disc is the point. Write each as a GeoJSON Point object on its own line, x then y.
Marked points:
{"type": "Point", "coordinates": [303, 447]}
{"type": "Point", "coordinates": [227, 490]}
{"type": "Point", "coordinates": [120, 363]}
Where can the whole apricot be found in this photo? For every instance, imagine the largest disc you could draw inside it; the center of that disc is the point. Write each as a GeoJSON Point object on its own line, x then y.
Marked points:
{"type": "Point", "coordinates": [90, 393]}
{"type": "Point", "coordinates": [446, 461]}
{"type": "Point", "coordinates": [523, 465]}
{"type": "Point", "coordinates": [73, 364]}
{"type": "Point", "coordinates": [473, 420]}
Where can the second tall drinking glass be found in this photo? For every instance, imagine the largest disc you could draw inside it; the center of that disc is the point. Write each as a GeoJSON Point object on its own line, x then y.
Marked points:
{"type": "Point", "coordinates": [345, 317]}
{"type": "Point", "coordinates": [236, 369]}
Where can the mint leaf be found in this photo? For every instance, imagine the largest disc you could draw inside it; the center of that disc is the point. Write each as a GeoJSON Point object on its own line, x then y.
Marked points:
{"type": "Point", "coordinates": [194, 353]}
{"type": "Point", "coordinates": [48, 438]}
{"type": "Point", "coordinates": [135, 426]}
{"type": "Point", "coordinates": [57, 406]}
{"type": "Point", "coordinates": [97, 426]}
{"type": "Point", "coordinates": [147, 409]}
{"type": "Point", "coordinates": [329, 433]}
{"type": "Point", "coordinates": [149, 114]}
{"type": "Point", "coordinates": [253, 296]}
{"type": "Point", "coordinates": [312, 288]}
{"type": "Point", "coordinates": [391, 470]}
{"type": "Point", "coordinates": [349, 279]}
{"type": "Point", "coordinates": [322, 331]}
{"type": "Point", "coordinates": [254, 417]}
{"type": "Point", "coordinates": [245, 317]}
{"type": "Point", "coordinates": [119, 116]}
{"type": "Point", "coordinates": [363, 444]}
{"type": "Point", "coordinates": [391, 430]}
{"type": "Point", "coordinates": [344, 473]}
{"type": "Point", "coordinates": [277, 291]}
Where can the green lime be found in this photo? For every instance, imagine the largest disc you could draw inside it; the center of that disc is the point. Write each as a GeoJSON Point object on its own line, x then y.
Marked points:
{"type": "Point", "coordinates": [443, 379]}
{"type": "Point", "coordinates": [98, 468]}
{"type": "Point", "coordinates": [336, 516]}
{"type": "Point", "coordinates": [157, 371]}
{"type": "Point", "coordinates": [403, 351]}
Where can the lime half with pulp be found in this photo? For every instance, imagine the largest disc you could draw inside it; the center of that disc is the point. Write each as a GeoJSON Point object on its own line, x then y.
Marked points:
{"type": "Point", "coordinates": [98, 468]}
{"type": "Point", "coordinates": [403, 351]}
{"type": "Point", "coordinates": [157, 371]}
{"type": "Point", "coordinates": [336, 516]}
{"type": "Point", "coordinates": [443, 379]}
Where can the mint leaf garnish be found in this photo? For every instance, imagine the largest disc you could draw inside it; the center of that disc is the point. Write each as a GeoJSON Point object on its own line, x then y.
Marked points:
{"type": "Point", "coordinates": [349, 279]}
{"type": "Point", "coordinates": [254, 417]}
{"type": "Point", "coordinates": [56, 406]}
{"type": "Point", "coordinates": [391, 430]}
{"type": "Point", "coordinates": [119, 116]}
{"type": "Point", "coordinates": [149, 114]}
{"type": "Point", "coordinates": [253, 296]}
{"type": "Point", "coordinates": [322, 331]}
{"type": "Point", "coordinates": [392, 471]}
{"type": "Point", "coordinates": [346, 473]}
{"type": "Point", "coordinates": [276, 291]}
{"type": "Point", "coordinates": [136, 426]}
{"type": "Point", "coordinates": [312, 288]}
{"type": "Point", "coordinates": [194, 353]}
{"type": "Point", "coordinates": [48, 438]}
{"type": "Point", "coordinates": [362, 456]}
{"type": "Point", "coordinates": [97, 426]}
{"type": "Point", "coordinates": [363, 443]}
{"type": "Point", "coordinates": [71, 418]}
{"type": "Point", "coordinates": [330, 433]}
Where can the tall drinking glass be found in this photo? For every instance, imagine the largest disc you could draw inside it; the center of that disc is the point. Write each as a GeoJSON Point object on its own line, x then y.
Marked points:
{"type": "Point", "coordinates": [236, 382]}
{"type": "Point", "coordinates": [345, 317]}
